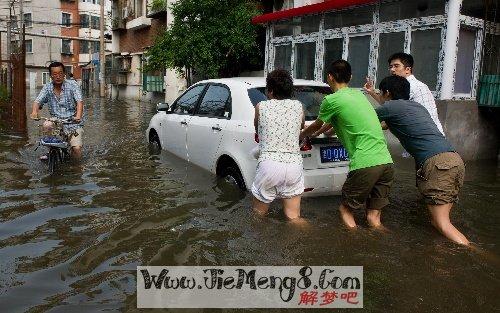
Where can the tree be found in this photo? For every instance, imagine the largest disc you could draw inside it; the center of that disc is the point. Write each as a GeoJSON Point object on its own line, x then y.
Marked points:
{"type": "Point", "coordinates": [213, 38]}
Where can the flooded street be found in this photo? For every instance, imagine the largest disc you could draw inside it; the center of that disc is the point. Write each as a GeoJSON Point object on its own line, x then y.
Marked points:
{"type": "Point", "coordinates": [71, 242]}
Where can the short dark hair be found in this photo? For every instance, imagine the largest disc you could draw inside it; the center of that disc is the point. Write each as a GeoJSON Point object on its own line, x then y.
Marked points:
{"type": "Point", "coordinates": [280, 82]}
{"type": "Point", "coordinates": [405, 58]}
{"type": "Point", "coordinates": [56, 64]}
{"type": "Point", "coordinates": [398, 86]}
{"type": "Point", "coordinates": [340, 70]}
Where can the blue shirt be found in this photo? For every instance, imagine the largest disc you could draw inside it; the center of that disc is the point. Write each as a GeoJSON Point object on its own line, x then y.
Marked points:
{"type": "Point", "coordinates": [64, 106]}
{"type": "Point", "coordinates": [412, 124]}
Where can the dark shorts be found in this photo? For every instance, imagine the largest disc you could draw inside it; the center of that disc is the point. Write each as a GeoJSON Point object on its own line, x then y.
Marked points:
{"type": "Point", "coordinates": [368, 187]}
{"type": "Point", "coordinates": [441, 177]}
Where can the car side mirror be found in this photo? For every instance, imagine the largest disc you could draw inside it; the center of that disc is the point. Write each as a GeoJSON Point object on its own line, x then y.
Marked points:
{"type": "Point", "coordinates": [162, 106]}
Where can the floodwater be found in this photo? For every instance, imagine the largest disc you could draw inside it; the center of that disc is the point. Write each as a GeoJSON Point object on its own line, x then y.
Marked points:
{"type": "Point", "coordinates": [71, 242]}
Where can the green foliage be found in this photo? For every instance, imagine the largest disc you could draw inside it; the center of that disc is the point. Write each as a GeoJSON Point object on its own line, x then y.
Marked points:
{"type": "Point", "coordinates": [212, 37]}
{"type": "Point", "coordinates": [158, 5]}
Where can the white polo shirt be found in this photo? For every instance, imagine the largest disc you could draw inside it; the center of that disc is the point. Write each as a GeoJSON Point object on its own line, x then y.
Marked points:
{"type": "Point", "coordinates": [420, 93]}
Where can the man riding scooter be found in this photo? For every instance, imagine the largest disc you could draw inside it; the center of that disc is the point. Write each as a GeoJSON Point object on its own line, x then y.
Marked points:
{"type": "Point", "coordinates": [64, 99]}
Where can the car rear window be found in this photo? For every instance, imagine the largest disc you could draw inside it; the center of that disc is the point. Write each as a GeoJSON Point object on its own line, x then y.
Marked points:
{"type": "Point", "coordinates": [310, 97]}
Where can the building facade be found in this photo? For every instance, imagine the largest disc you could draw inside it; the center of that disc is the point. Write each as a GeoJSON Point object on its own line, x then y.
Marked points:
{"type": "Point", "coordinates": [135, 25]}
{"type": "Point", "coordinates": [446, 38]}
{"type": "Point", "coordinates": [61, 30]}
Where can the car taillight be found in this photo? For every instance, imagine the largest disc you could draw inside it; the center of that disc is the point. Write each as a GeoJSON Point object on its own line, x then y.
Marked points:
{"type": "Point", "coordinates": [256, 138]}
{"type": "Point", "coordinates": [306, 145]}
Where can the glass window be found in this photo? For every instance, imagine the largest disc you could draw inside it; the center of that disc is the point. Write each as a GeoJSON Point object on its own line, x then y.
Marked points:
{"type": "Point", "coordinates": [45, 77]}
{"type": "Point", "coordinates": [283, 57]}
{"type": "Point", "coordinates": [465, 61]}
{"type": "Point", "coordinates": [68, 69]}
{"type": "Point", "coordinates": [95, 22]}
{"type": "Point", "coordinates": [96, 46]}
{"type": "Point", "coordinates": [389, 43]}
{"type": "Point", "coordinates": [66, 19]}
{"type": "Point", "coordinates": [283, 28]}
{"type": "Point", "coordinates": [84, 46]}
{"type": "Point", "coordinates": [333, 52]}
{"type": "Point", "coordinates": [352, 17]}
{"type": "Point", "coordinates": [310, 97]}
{"type": "Point", "coordinates": [307, 24]}
{"type": "Point", "coordinates": [84, 20]}
{"type": "Point", "coordinates": [29, 45]}
{"type": "Point", "coordinates": [215, 102]}
{"type": "Point", "coordinates": [359, 55]}
{"type": "Point", "coordinates": [28, 20]}
{"type": "Point", "coordinates": [425, 46]}
{"type": "Point", "coordinates": [474, 8]}
{"type": "Point", "coordinates": [405, 9]}
{"type": "Point", "coordinates": [66, 46]}
{"type": "Point", "coordinates": [304, 60]}
{"type": "Point", "coordinates": [298, 25]}
{"type": "Point", "coordinates": [187, 102]}
{"type": "Point", "coordinates": [491, 61]}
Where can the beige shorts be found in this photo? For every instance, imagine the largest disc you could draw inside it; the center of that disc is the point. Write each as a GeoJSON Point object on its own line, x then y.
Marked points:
{"type": "Point", "coordinates": [441, 177]}
{"type": "Point", "coordinates": [277, 180]}
{"type": "Point", "coordinates": [77, 140]}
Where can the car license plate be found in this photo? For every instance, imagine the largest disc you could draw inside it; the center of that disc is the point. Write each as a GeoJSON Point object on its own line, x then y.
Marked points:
{"type": "Point", "coordinates": [333, 154]}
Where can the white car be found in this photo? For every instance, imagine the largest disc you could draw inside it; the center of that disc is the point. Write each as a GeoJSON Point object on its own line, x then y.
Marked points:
{"type": "Point", "coordinates": [211, 125]}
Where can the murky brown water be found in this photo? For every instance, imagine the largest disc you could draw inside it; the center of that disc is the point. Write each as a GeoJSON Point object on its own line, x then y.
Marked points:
{"type": "Point", "coordinates": [71, 242]}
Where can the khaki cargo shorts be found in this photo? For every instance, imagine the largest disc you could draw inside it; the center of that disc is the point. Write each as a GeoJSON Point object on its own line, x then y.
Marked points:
{"type": "Point", "coordinates": [77, 141]}
{"type": "Point", "coordinates": [368, 187]}
{"type": "Point", "coordinates": [441, 177]}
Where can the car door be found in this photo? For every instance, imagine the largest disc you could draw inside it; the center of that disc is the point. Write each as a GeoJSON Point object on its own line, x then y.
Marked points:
{"type": "Point", "coordinates": [174, 129]}
{"type": "Point", "coordinates": [207, 127]}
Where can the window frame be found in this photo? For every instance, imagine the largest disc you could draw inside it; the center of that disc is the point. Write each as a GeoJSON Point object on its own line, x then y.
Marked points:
{"type": "Point", "coordinates": [204, 92]}
{"type": "Point", "coordinates": [70, 19]}
{"type": "Point", "coordinates": [26, 50]}
{"type": "Point", "coordinates": [30, 20]}
{"type": "Point", "coordinates": [70, 46]}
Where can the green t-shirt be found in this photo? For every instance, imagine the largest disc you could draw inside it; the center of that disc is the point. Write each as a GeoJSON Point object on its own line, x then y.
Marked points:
{"type": "Point", "coordinates": [357, 126]}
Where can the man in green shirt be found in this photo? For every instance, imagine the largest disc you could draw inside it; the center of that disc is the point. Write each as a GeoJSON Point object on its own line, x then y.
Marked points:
{"type": "Point", "coordinates": [358, 128]}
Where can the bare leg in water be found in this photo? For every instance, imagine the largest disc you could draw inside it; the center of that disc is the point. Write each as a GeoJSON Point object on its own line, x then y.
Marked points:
{"type": "Point", "coordinates": [440, 219]}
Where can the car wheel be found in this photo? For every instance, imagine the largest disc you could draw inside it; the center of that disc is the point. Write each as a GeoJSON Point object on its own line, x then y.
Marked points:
{"type": "Point", "coordinates": [233, 176]}
{"type": "Point", "coordinates": [154, 143]}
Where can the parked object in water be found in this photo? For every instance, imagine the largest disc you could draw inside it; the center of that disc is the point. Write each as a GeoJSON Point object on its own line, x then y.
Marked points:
{"type": "Point", "coordinates": [211, 125]}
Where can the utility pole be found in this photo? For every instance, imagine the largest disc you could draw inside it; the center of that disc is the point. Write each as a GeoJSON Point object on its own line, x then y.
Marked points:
{"type": "Point", "coordinates": [102, 57]}
{"type": "Point", "coordinates": [9, 56]}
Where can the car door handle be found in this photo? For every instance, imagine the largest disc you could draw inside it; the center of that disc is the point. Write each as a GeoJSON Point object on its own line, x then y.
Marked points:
{"type": "Point", "coordinates": [184, 123]}
{"type": "Point", "coordinates": [217, 128]}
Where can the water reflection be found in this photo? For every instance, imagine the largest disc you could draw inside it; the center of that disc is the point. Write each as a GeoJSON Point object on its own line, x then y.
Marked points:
{"type": "Point", "coordinates": [71, 241]}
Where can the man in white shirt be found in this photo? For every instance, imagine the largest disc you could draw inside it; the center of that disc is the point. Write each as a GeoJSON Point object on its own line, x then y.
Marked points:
{"type": "Point", "coordinates": [401, 64]}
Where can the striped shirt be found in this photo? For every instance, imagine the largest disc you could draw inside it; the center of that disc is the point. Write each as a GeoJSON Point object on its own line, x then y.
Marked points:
{"type": "Point", "coordinates": [64, 105]}
{"type": "Point", "coordinates": [420, 93]}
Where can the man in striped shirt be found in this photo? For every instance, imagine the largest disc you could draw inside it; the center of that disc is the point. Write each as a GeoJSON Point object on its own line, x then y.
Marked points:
{"type": "Point", "coordinates": [64, 100]}
{"type": "Point", "coordinates": [401, 64]}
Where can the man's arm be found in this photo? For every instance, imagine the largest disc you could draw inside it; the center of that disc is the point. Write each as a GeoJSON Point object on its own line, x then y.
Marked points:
{"type": "Point", "coordinates": [35, 109]}
{"type": "Point", "coordinates": [311, 129]}
{"type": "Point", "coordinates": [370, 89]}
{"type": "Point", "coordinates": [79, 111]}
{"type": "Point", "coordinates": [326, 129]}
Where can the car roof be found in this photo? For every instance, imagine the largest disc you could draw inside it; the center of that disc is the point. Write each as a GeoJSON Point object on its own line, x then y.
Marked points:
{"type": "Point", "coordinates": [253, 82]}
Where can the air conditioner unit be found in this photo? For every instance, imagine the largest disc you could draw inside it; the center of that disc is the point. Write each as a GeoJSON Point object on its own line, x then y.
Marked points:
{"type": "Point", "coordinates": [125, 12]}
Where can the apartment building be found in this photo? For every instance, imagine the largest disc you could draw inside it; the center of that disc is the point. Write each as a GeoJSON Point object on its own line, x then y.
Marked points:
{"type": "Point", "coordinates": [63, 30]}
{"type": "Point", "coordinates": [135, 25]}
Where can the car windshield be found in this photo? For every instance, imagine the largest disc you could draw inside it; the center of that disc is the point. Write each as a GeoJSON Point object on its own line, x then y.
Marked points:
{"type": "Point", "coordinates": [309, 96]}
